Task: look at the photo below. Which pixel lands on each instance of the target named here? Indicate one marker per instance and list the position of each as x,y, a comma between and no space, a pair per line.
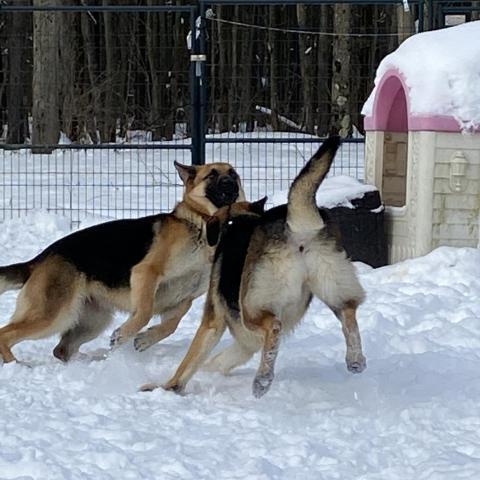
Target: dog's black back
107,252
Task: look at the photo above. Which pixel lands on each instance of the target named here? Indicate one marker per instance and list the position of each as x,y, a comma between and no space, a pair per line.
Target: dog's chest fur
189,278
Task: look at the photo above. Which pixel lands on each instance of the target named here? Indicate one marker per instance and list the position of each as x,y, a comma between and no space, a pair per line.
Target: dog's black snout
224,191
228,183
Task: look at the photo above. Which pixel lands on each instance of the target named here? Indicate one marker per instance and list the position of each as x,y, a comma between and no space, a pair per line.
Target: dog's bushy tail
302,214
14,276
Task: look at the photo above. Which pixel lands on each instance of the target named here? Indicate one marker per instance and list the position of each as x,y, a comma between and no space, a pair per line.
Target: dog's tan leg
271,328
6,354
170,321
144,282
47,304
354,358
208,334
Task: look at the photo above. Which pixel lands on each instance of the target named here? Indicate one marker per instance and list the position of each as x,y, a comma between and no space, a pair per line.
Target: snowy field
412,415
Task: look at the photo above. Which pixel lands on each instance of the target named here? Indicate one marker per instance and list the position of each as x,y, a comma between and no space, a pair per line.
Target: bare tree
306,54
67,52
323,75
341,102
18,27
405,23
46,125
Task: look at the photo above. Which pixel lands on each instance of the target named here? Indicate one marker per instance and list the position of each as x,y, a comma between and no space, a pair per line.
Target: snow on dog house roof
431,82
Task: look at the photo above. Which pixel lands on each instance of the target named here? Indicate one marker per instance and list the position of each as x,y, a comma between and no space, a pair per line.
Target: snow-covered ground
413,414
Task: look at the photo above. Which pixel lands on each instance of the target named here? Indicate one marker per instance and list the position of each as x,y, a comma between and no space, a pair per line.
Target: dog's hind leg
354,358
170,321
270,326
47,304
336,284
228,359
92,321
208,334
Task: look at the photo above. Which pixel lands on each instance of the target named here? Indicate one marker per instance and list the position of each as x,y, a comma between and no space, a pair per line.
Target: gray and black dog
267,267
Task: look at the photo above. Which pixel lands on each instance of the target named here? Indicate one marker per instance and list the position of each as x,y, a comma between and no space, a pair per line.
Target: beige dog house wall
427,170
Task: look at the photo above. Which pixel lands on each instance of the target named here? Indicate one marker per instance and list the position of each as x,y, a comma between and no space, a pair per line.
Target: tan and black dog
151,265
266,269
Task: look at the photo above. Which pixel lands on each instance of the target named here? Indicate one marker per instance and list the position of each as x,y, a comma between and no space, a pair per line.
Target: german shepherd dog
266,269
152,265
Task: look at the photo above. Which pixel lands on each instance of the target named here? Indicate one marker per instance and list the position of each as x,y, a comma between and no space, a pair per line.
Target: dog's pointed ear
258,207
213,230
186,172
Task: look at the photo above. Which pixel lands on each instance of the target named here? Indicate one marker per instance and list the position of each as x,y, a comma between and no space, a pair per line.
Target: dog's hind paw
142,341
261,385
357,366
116,338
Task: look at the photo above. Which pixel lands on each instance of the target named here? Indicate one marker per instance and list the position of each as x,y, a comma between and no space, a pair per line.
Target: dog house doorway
394,113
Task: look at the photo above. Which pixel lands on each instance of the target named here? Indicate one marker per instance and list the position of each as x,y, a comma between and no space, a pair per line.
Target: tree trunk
233,80
223,79
46,125
66,67
476,13
341,102
306,53
273,47
324,60
87,130
246,109
151,38
18,28
405,23
108,122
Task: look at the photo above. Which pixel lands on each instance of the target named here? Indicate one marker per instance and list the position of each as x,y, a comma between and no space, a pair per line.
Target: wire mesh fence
120,84
82,182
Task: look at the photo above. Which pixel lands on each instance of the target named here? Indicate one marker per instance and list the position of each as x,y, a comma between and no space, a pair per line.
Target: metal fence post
421,13
197,85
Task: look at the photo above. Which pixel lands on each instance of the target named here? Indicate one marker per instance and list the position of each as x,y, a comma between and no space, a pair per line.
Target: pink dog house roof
391,110
431,82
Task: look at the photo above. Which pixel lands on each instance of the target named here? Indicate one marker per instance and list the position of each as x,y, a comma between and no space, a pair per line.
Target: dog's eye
213,174
232,173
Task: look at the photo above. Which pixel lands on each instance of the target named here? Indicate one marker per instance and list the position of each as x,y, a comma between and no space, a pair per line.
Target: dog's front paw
175,387
142,341
261,384
149,387
357,364
116,338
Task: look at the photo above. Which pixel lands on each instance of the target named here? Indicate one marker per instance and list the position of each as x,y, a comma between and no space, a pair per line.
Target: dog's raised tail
302,213
12,277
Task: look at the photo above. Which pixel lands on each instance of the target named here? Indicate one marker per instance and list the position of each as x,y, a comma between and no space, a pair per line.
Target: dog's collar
195,217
